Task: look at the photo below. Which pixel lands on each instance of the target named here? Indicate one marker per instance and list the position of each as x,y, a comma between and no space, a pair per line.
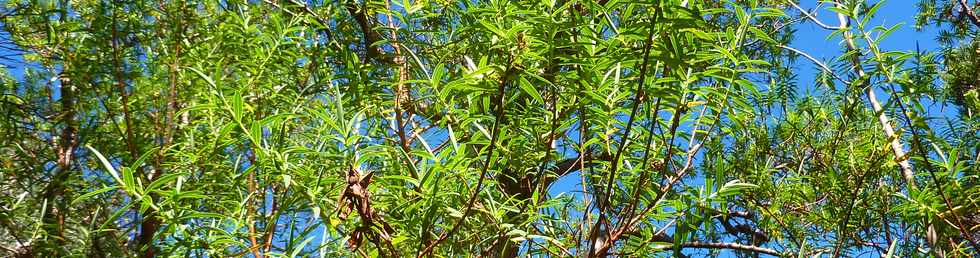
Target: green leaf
299,248
734,187
204,76
530,90
88,195
454,212
108,166
891,250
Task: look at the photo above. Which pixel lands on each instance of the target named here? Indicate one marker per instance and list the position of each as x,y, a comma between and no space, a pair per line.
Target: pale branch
816,62
897,148
813,18
662,237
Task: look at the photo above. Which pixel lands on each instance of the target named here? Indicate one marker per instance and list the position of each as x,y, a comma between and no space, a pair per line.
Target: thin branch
969,13
324,22
883,119
637,101
274,4
816,62
499,116
732,246
851,203
813,18
402,97
693,149
917,142
896,146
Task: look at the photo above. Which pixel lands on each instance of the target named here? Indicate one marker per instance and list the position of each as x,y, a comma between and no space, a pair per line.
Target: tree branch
813,18
324,22
816,62
499,116
370,36
601,248
732,246
869,91
969,13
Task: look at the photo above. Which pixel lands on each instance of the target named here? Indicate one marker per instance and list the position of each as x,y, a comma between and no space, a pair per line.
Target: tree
469,128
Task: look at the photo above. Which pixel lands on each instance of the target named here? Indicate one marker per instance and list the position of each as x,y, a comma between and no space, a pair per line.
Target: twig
499,116
816,62
969,13
307,10
883,119
401,94
813,18
637,101
733,246
932,173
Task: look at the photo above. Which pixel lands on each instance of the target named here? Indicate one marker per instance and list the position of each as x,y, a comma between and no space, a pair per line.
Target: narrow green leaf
530,90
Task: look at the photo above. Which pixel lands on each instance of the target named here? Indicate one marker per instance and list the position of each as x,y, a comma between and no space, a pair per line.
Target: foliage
287,128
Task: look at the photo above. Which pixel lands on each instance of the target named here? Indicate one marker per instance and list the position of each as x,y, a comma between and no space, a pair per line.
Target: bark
897,148
53,195
359,13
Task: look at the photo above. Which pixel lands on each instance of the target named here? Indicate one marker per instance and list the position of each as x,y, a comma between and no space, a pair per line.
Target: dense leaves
557,128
